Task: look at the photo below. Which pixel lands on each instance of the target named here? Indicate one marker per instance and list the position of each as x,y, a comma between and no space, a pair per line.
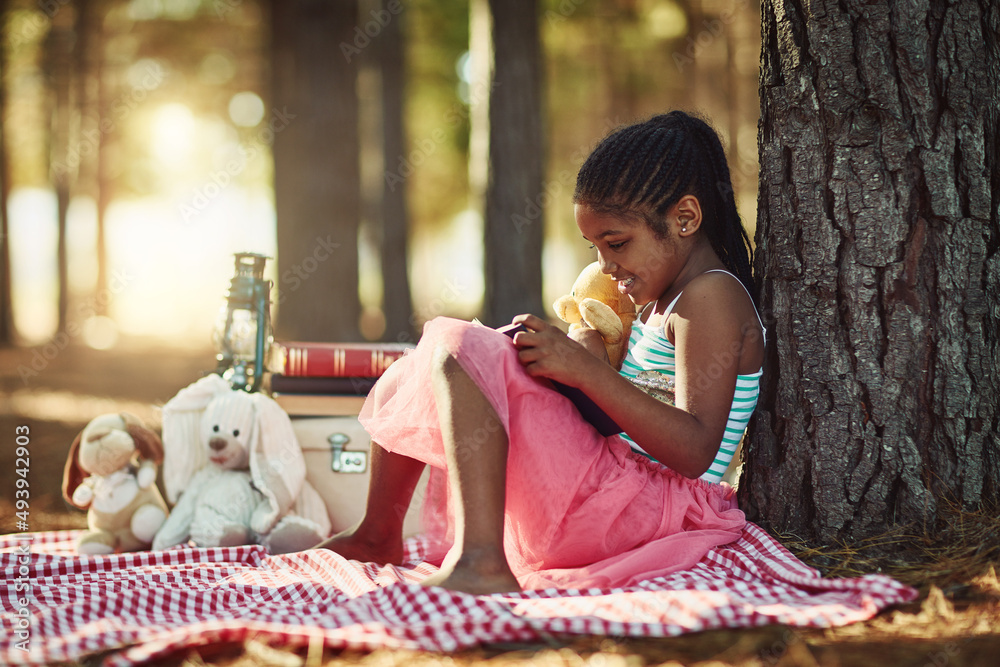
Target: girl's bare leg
475,445
378,538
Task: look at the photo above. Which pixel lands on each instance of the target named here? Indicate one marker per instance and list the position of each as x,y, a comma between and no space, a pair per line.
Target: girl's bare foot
355,544
477,574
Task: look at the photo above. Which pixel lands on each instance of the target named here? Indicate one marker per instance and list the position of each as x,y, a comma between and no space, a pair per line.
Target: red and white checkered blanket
60,607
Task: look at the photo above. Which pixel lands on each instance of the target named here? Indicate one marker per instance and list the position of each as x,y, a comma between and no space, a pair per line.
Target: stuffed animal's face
226,429
592,283
105,445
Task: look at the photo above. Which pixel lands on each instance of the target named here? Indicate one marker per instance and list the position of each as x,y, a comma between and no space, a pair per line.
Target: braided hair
640,171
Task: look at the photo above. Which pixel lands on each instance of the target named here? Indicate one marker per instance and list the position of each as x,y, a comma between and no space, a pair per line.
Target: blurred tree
93,64
58,66
317,187
506,45
396,302
8,332
91,108
879,255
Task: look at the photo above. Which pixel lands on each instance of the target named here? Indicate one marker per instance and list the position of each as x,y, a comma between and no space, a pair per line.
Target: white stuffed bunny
111,472
233,460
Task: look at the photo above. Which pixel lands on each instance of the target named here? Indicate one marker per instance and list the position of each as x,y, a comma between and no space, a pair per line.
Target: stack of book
328,379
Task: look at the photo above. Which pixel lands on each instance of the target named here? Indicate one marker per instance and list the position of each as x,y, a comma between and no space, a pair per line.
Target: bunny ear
276,462
73,475
148,444
183,452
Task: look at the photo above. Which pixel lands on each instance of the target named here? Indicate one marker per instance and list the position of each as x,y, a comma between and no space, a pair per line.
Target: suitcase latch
345,461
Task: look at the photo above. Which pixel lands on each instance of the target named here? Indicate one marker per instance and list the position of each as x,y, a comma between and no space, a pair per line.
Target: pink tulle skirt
582,510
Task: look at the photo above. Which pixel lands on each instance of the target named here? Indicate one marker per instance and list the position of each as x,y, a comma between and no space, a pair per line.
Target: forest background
140,139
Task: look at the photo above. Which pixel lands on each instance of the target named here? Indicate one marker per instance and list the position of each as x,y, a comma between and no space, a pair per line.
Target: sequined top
650,365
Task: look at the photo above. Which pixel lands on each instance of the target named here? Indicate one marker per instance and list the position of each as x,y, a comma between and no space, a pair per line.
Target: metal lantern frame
249,291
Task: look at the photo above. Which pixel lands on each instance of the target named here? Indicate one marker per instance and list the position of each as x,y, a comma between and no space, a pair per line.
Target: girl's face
630,252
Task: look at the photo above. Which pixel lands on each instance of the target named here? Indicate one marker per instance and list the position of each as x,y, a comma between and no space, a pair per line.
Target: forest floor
954,622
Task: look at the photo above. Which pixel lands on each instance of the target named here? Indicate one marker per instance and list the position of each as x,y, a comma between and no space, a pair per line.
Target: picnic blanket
57,606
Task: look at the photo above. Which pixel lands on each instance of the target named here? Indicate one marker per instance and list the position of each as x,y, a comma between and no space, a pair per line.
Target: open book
599,419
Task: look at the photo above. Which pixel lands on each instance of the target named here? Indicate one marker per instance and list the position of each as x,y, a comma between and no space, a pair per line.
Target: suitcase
336,450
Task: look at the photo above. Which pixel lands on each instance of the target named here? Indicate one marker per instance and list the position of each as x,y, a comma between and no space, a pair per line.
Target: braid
641,170
664,144
644,166
730,240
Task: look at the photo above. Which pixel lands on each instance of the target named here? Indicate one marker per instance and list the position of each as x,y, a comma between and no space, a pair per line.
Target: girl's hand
591,340
545,351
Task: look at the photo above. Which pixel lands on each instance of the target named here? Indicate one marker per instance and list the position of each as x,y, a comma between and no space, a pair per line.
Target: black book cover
352,386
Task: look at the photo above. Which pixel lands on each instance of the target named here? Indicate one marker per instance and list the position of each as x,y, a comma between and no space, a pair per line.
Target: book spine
332,361
357,386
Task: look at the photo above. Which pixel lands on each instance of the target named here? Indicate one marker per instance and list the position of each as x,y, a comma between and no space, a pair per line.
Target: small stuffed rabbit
111,472
235,470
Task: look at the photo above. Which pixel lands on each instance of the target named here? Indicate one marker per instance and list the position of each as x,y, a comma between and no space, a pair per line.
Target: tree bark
878,238
317,181
515,199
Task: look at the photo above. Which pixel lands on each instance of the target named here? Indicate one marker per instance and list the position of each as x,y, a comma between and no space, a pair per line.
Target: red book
305,359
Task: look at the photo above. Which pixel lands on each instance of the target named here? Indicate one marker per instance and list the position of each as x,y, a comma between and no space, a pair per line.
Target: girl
535,496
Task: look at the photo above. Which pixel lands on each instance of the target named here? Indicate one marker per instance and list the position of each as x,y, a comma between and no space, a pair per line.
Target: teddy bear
234,469
111,472
595,302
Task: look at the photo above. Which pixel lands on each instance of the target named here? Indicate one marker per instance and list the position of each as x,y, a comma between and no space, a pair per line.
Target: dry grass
967,548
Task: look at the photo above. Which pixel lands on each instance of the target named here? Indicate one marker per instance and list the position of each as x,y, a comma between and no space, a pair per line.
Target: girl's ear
686,215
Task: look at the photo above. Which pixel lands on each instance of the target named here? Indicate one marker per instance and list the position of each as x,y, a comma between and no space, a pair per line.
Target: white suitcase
336,450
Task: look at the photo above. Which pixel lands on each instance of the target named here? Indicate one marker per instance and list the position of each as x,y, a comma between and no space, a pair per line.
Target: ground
55,390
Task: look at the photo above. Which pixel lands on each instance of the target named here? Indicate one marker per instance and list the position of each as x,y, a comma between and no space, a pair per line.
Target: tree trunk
317,179
8,332
91,105
103,183
396,302
62,170
515,199
878,238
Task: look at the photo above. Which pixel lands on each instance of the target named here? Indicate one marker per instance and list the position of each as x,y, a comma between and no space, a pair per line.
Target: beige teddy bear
111,472
595,302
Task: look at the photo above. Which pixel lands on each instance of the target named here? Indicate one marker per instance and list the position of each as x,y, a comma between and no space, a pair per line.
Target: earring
684,229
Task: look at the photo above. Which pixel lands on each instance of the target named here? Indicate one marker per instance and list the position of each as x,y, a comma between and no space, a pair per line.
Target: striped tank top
649,364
